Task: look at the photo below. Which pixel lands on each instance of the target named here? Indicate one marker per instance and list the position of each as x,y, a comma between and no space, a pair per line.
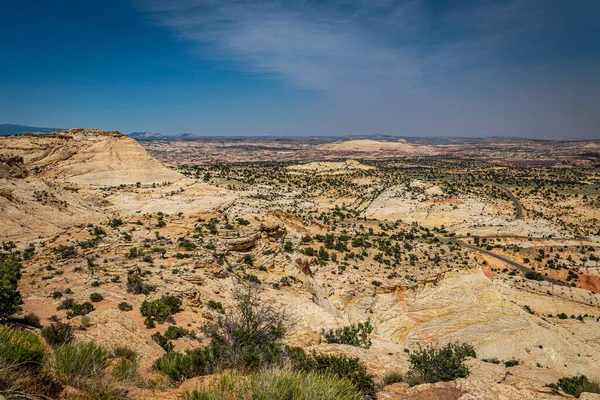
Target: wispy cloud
372,52
311,46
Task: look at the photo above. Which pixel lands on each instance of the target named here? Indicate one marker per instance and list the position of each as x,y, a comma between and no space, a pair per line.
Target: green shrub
336,365
124,306
10,273
58,334
20,348
354,335
536,276
66,304
79,360
178,366
215,305
115,222
446,364
32,319
250,336
576,385
57,295
511,363
63,251
96,297
175,332
162,309
163,342
276,384
80,309
135,285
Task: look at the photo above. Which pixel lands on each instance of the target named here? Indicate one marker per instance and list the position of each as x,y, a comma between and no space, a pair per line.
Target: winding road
506,260
516,202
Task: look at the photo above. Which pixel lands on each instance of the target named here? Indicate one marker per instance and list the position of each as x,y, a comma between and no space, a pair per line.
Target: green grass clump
126,370
276,384
125,352
340,366
80,360
21,348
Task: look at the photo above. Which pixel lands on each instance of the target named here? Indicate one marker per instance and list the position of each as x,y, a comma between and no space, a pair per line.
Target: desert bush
162,342
576,385
446,364
275,384
66,304
115,222
215,305
20,348
80,309
124,306
392,377
349,368
249,338
178,366
10,273
63,251
96,297
135,285
354,335
511,363
175,332
161,309
76,361
32,319
251,335
58,334
536,276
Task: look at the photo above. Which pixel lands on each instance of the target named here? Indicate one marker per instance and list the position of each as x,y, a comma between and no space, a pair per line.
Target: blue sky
237,67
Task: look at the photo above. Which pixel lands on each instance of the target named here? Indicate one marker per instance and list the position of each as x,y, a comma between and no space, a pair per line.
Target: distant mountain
11,129
163,136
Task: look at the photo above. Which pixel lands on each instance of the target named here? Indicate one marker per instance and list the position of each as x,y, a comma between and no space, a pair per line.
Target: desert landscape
366,261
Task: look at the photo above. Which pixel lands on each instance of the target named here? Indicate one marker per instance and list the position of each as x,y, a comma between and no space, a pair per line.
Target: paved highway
516,202
508,261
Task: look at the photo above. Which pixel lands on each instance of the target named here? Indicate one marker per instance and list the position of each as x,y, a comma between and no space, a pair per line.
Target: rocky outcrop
91,157
466,307
12,167
112,328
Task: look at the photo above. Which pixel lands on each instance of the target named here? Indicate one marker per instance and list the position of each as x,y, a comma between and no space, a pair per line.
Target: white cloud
391,61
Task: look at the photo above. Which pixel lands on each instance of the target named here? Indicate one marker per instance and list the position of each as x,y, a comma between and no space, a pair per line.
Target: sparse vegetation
576,385
58,333
354,335
432,365
276,384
